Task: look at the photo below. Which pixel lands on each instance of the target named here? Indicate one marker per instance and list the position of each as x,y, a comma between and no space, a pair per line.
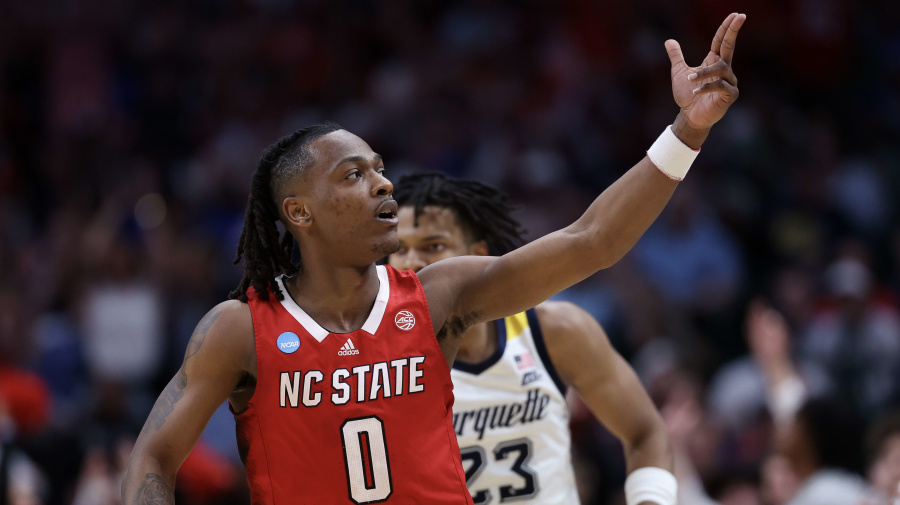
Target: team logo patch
288,342
405,320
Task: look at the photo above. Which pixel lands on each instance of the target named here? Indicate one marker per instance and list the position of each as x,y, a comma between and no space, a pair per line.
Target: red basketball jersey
361,417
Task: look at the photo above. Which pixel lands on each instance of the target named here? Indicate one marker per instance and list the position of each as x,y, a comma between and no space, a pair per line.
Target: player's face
438,236
344,201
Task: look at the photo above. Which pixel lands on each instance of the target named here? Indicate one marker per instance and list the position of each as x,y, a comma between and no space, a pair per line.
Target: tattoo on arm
200,332
174,391
456,326
154,491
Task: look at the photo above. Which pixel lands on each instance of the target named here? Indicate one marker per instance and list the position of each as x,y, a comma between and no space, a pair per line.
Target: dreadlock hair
266,252
483,211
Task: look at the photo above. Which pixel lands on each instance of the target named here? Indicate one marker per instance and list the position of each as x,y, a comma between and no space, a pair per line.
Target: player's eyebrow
351,159
436,236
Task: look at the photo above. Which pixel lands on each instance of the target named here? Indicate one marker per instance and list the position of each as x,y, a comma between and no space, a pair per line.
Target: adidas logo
348,349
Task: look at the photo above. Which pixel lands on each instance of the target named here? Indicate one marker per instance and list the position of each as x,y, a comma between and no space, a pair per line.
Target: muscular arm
482,288
215,361
465,290
585,360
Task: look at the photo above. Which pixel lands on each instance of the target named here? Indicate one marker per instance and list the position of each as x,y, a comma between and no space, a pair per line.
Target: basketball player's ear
479,248
296,212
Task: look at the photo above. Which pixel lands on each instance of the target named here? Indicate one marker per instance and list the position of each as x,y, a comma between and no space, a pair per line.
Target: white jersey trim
313,328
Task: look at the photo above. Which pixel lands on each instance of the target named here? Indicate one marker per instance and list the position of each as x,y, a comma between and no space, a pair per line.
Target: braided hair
484,212
266,252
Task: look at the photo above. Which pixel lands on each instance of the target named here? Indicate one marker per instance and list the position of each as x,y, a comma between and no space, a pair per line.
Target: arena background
129,130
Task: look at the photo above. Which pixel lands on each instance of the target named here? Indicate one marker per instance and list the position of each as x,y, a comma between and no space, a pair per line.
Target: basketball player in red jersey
338,370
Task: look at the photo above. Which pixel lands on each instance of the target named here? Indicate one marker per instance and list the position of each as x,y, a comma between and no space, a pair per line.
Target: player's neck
478,344
338,298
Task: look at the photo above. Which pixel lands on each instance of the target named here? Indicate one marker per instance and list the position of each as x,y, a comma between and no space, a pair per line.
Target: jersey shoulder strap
516,326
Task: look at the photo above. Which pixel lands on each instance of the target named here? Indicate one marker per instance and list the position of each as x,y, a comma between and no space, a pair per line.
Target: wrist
653,485
691,135
671,155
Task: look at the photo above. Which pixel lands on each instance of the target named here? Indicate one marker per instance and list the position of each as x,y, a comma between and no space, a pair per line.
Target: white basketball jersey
512,422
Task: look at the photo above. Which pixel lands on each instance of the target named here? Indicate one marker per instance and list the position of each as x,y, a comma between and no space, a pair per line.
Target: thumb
675,56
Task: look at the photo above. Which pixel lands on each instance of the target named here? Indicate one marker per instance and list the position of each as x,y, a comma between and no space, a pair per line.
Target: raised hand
704,93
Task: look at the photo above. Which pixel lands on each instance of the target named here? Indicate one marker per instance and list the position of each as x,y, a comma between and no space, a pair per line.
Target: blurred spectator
736,488
206,477
822,447
25,400
21,481
779,482
100,480
883,458
123,320
683,415
689,256
766,380
856,339
859,194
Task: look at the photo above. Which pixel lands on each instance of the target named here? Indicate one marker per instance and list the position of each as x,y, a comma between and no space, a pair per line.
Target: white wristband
651,484
671,156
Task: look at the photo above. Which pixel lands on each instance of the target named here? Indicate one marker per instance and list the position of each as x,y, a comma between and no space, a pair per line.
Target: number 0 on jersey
365,454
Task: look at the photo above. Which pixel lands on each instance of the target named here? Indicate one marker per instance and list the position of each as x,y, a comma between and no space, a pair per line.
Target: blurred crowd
761,310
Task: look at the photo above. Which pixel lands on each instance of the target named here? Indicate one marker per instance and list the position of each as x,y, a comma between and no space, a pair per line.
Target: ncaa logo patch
405,320
288,342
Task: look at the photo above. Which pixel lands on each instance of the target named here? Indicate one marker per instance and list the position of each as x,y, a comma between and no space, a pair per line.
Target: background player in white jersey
510,411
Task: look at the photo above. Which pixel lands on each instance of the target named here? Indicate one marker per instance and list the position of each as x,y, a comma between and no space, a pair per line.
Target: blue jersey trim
477,368
538,336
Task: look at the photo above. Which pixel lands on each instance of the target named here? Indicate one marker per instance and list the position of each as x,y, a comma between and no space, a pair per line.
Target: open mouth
387,212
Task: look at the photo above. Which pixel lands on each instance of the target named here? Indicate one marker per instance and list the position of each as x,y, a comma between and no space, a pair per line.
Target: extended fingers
720,69
731,37
720,33
722,87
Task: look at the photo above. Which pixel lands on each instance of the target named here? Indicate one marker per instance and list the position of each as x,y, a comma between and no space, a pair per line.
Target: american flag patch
524,360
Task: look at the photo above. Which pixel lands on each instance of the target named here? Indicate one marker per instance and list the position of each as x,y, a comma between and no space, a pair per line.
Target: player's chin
386,243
